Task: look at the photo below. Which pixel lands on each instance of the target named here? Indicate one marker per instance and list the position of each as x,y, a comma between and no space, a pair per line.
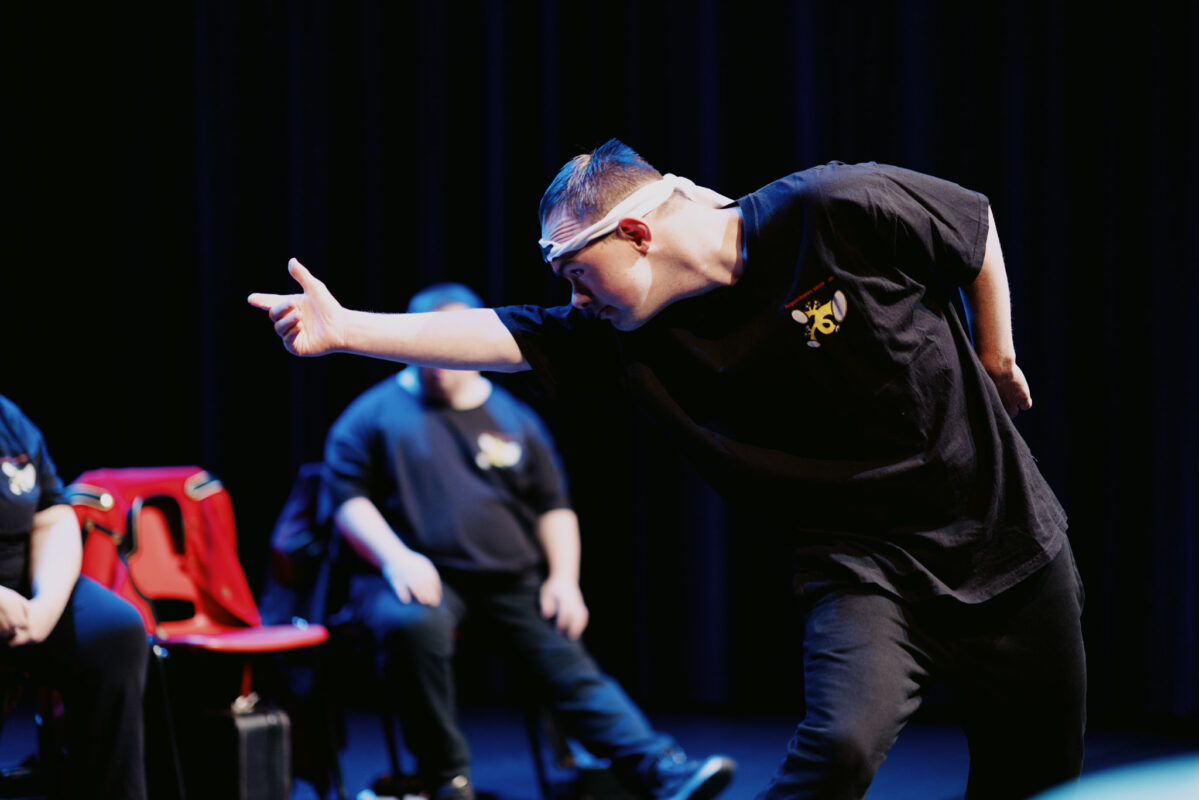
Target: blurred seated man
87,642
452,493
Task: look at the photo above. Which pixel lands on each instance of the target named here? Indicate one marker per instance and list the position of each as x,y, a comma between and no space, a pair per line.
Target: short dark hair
434,297
589,185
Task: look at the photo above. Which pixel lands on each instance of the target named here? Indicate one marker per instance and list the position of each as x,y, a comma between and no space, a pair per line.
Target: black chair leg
157,654
393,745
537,745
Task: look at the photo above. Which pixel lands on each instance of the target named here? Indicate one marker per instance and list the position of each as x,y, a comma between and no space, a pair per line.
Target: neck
711,249
469,394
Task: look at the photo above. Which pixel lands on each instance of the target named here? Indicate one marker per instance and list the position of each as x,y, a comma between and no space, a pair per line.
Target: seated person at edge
450,490
804,348
83,639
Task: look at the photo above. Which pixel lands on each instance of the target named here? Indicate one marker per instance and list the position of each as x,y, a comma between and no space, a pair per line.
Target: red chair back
164,539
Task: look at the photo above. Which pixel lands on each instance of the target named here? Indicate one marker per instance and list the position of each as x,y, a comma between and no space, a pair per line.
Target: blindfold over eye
567,237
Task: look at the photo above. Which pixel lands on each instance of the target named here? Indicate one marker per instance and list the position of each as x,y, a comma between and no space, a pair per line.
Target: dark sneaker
674,777
458,788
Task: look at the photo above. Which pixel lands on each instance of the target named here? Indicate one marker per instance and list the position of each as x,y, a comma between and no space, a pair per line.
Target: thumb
402,591
308,282
548,607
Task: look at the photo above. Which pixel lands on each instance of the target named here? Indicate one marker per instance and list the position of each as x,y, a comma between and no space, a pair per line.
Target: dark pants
97,658
416,645
1015,665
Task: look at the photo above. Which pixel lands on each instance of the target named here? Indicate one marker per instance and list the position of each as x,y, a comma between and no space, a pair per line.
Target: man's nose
579,298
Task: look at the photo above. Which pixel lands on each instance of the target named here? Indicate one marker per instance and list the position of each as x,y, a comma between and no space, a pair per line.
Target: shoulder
502,404
14,420
386,399
9,410
787,199
545,320
839,181
503,401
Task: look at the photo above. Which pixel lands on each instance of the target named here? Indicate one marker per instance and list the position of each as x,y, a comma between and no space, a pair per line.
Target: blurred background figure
451,493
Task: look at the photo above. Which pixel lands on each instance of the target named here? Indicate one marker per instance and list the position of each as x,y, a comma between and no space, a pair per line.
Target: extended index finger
264,300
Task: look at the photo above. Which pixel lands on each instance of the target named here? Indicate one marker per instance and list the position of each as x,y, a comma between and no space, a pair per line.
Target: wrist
562,580
998,361
42,618
344,330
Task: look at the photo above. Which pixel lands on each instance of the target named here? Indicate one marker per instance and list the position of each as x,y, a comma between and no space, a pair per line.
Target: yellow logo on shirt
20,480
495,451
820,318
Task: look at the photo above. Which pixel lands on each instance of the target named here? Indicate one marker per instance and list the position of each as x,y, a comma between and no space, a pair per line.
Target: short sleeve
929,228
572,355
348,463
548,488
52,491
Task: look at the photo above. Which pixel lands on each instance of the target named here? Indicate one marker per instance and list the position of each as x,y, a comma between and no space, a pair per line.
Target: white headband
567,237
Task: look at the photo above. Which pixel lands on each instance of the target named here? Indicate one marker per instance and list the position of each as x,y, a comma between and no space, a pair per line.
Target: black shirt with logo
463,487
29,483
833,389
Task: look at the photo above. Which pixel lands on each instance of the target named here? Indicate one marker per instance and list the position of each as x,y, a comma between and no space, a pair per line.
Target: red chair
164,539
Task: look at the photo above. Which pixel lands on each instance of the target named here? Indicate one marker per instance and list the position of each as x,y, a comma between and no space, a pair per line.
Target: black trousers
97,657
1015,665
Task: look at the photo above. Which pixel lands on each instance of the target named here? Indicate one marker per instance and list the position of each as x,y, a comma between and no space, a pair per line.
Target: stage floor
929,761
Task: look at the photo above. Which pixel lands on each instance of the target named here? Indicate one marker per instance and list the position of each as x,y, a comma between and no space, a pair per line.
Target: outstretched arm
991,307
313,323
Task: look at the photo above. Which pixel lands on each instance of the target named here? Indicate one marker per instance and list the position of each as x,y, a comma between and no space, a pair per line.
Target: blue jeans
1015,665
416,645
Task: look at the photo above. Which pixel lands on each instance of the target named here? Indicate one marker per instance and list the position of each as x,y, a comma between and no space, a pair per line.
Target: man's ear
636,231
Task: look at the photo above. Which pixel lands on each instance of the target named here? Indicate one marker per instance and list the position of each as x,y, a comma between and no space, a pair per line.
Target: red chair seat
264,639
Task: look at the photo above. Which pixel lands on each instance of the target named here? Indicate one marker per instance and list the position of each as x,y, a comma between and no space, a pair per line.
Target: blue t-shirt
833,389
29,483
463,487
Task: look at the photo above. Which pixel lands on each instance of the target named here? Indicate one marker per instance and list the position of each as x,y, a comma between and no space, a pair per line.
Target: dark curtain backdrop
165,159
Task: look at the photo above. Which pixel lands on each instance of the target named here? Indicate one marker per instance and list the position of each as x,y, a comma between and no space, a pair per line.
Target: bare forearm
991,307
458,339
558,533
313,323
55,556
412,576
366,530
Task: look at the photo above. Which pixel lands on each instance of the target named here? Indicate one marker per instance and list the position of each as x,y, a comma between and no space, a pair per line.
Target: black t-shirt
833,389
465,488
29,483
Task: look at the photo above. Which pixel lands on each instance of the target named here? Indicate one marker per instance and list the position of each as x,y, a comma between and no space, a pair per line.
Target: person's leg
97,656
592,705
863,678
415,647
1022,687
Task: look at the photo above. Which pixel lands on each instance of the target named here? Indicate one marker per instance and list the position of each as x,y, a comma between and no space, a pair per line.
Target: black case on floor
238,756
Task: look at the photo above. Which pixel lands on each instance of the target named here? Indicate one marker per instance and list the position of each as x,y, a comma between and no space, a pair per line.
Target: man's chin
623,323
620,320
